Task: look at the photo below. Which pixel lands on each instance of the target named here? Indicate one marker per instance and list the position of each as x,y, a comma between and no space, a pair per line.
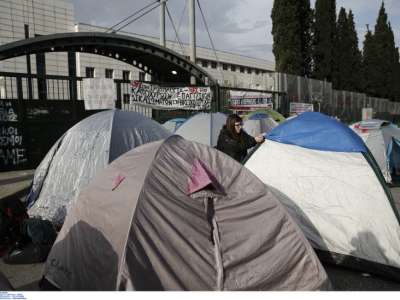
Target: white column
162,23
192,31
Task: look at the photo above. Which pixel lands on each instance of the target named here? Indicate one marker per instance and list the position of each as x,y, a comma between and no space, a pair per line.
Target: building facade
22,18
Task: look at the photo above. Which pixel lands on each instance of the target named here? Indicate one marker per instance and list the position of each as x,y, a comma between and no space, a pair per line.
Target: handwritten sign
253,99
188,98
298,107
99,93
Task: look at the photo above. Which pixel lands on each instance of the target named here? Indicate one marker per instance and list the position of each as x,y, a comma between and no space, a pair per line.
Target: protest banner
154,96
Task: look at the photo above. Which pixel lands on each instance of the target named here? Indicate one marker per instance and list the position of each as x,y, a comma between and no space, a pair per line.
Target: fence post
73,92
215,102
299,89
119,95
20,100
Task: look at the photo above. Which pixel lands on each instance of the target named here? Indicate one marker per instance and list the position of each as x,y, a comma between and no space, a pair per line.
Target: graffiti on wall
13,152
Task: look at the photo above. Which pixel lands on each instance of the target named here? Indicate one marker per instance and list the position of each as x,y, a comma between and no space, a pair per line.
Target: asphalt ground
26,277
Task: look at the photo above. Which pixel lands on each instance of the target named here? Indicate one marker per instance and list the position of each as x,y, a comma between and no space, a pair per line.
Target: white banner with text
154,96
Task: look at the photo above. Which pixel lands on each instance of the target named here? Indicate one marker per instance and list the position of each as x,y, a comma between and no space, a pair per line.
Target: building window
233,68
204,64
248,71
126,75
213,64
89,72
224,67
141,76
241,69
109,73
257,72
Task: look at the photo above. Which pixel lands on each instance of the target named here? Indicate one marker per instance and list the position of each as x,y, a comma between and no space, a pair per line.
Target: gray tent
80,153
179,215
203,128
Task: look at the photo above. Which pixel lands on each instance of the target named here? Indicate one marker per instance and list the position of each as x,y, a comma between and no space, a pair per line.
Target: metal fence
345,105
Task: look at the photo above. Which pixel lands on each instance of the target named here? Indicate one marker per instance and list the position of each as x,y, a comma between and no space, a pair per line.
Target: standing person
234,141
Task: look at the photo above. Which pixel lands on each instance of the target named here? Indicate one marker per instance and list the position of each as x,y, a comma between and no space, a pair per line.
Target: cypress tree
340,48
323,39
396,77
306,14
369,67
380,59
393,67
354,81
385,52
290,31
348,60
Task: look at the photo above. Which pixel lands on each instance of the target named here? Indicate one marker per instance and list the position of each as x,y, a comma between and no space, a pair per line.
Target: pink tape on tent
359,127
201,177
117,181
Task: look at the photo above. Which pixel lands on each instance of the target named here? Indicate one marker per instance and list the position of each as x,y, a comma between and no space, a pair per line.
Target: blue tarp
259,116
317,131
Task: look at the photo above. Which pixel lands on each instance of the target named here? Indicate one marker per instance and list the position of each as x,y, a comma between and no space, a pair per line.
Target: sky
238,26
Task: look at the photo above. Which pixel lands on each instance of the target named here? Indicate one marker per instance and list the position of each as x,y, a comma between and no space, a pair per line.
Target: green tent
274,114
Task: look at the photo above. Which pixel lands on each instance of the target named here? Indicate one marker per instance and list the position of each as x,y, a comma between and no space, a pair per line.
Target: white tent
333,187
203,128
383,140
173,124
80,153
259,123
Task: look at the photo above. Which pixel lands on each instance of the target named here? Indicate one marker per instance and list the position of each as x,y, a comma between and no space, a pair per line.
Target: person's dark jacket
235,147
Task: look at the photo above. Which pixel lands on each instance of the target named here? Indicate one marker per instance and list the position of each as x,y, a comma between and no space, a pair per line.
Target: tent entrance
394,160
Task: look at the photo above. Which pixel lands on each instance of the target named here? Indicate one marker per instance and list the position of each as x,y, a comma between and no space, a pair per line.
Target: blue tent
314,130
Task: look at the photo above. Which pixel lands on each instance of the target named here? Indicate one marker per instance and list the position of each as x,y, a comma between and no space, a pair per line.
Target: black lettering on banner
195,98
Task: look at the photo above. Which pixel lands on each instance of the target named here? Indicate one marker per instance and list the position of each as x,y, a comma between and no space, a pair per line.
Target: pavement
15,183
26,277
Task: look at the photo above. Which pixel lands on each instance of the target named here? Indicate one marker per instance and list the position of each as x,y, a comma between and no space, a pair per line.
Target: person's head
234,124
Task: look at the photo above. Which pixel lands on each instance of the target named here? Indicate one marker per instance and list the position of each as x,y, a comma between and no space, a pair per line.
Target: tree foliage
324,28
291,22
381,60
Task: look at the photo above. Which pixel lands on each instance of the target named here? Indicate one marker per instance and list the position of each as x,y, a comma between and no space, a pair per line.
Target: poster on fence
154,96
253,99
297,108
367,113
99,93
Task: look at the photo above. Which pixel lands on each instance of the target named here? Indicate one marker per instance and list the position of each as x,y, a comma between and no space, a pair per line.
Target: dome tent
332,186
80,153
203,128
173,124
272,113
383,140
193,229
259,123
